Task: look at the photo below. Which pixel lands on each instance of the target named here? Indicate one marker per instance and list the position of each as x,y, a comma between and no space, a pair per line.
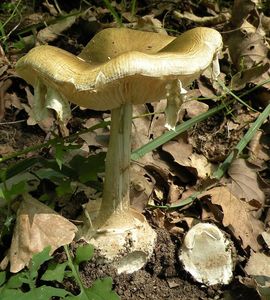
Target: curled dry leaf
182,154
202,21
50,33
237,215
37,226
245,182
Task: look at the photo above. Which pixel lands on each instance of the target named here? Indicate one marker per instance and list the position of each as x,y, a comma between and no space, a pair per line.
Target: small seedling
24,285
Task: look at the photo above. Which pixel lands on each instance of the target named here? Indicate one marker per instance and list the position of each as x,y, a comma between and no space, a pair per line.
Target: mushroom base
125,240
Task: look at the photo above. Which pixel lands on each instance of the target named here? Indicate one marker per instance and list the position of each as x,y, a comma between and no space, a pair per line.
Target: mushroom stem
117,167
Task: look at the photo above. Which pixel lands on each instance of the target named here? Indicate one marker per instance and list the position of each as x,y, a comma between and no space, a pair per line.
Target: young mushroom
117,69
208,254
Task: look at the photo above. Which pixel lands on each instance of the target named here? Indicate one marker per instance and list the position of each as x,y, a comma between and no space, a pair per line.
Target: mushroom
208,255
118,68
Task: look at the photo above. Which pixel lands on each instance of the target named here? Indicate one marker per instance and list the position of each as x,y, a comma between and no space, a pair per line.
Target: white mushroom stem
121,234
116,186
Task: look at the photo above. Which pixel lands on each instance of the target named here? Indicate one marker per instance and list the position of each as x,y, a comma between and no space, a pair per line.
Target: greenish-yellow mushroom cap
121,65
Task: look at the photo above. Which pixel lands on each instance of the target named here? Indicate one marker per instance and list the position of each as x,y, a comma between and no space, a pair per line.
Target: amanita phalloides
117,69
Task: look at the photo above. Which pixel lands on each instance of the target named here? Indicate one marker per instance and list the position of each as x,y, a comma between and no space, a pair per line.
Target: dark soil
162,278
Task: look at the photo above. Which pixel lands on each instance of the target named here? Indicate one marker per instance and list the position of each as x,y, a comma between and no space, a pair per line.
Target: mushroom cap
121,65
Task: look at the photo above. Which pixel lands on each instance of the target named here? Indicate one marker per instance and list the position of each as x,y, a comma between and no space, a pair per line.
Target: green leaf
64,188
102,290
17,189
11,294
84,253
40,293
2,277
88,167
45,173
19,167
59,154
16,281
55,272
2,193
37,260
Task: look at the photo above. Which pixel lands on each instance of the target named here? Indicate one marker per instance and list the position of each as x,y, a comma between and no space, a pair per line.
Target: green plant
13,10
24,285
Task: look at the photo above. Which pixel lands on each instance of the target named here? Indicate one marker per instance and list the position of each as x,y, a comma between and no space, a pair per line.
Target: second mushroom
117,69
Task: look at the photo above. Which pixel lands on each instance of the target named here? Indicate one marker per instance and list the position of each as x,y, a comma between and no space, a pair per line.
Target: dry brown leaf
237,215
50,33
37,226
254,74
11,99
157,127
149,23
4,86
141,188
258,268
182,154
140,128
248,52
202,21
194,108
245,182
258,265
6,149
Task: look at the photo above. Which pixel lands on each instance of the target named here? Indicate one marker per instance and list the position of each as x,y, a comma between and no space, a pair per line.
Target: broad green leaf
53,175
102,290
55,272
19,167
2,277
64,188
16,281
88,168
11,294
61,149
17,189
40,293
84,253
37,260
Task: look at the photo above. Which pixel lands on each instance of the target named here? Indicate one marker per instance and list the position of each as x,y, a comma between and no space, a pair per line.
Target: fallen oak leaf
37,226
196,163
245,182
237,215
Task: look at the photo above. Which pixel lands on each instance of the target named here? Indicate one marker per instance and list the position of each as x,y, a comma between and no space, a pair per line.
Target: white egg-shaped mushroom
208,255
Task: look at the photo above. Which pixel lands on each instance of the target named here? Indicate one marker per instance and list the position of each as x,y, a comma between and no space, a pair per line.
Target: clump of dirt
212,139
